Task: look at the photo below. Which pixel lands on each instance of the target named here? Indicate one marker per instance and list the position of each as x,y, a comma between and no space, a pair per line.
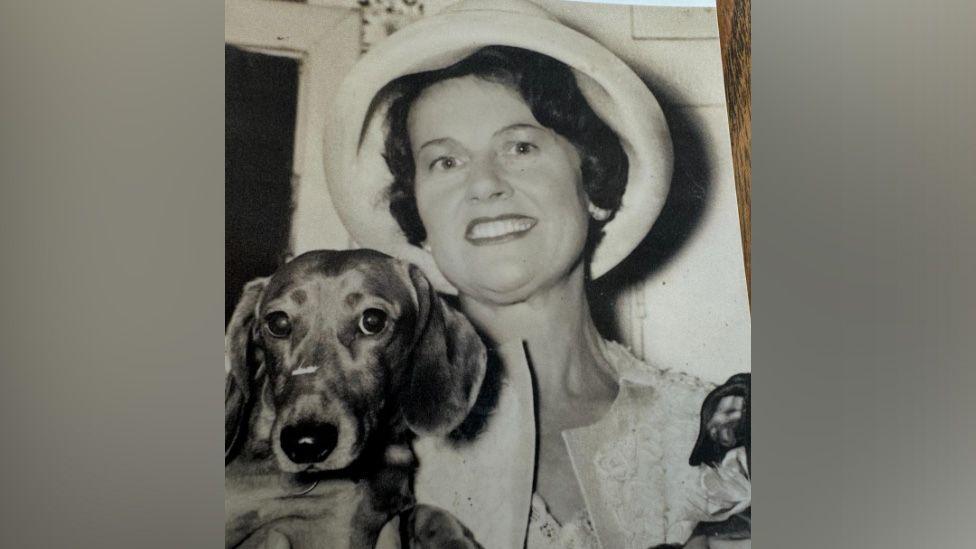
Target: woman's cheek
437,213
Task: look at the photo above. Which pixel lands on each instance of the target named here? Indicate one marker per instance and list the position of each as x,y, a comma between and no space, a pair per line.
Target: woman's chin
501,283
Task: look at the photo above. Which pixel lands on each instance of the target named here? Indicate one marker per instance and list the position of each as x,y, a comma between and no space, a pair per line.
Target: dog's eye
372,322
278,324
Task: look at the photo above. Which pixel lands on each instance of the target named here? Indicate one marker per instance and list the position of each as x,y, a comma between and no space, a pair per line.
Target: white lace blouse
632,465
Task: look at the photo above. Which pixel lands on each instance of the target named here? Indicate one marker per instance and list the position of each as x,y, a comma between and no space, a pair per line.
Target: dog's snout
309,441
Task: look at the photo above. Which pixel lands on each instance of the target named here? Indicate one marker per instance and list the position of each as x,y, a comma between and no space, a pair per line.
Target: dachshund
334,364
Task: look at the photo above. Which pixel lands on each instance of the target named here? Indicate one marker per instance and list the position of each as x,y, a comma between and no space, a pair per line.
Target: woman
514,159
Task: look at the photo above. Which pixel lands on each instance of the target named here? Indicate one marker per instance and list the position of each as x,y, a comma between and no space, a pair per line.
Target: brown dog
335,363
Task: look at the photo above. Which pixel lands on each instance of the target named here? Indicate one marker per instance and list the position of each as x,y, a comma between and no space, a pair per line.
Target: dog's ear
242,366
446,364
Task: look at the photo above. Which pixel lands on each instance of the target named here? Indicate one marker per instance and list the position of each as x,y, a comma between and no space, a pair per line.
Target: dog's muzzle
309,441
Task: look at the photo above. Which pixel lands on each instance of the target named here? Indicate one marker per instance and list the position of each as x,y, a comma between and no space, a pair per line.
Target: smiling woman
524,160
502,124
509,186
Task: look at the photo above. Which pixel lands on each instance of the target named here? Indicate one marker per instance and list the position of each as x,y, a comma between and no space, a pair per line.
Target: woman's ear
445,367
242,365
598,213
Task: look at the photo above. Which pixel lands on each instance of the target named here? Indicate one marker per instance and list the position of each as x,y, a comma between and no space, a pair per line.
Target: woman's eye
372,321
522,148
278,324
445,163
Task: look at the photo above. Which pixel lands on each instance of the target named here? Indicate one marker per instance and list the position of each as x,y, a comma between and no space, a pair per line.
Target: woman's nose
486,183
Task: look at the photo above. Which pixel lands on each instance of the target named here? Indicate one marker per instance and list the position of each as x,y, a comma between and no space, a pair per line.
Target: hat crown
519,7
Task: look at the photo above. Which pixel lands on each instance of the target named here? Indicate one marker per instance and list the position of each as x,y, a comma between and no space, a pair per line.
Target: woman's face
500,195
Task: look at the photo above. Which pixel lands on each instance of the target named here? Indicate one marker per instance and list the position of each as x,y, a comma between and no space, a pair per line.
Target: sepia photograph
486,277
489,280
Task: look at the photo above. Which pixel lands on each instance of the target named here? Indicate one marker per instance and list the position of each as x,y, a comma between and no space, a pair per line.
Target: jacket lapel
487,483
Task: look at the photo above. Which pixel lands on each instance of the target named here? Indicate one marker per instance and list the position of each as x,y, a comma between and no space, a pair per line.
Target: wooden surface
735,32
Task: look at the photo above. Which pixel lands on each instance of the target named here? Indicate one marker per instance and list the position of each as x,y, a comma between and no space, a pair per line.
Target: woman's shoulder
668,399
634,463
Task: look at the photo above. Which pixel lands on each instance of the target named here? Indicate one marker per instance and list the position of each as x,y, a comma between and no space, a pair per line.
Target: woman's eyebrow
439,141
518,126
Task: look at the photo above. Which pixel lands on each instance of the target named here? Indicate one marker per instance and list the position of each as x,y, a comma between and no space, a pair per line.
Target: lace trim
546,532
627,365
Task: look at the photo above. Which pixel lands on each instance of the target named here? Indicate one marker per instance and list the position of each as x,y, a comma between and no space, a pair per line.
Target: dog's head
336,347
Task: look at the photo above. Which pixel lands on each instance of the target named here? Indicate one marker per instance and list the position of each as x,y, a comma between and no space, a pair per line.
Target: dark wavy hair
549,89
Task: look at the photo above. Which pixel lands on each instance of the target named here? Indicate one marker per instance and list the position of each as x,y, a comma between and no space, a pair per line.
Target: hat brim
359,179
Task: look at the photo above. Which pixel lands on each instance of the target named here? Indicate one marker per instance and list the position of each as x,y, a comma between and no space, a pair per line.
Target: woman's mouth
494,230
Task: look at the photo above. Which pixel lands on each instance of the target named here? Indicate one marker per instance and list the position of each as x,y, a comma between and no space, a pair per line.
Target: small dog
335,363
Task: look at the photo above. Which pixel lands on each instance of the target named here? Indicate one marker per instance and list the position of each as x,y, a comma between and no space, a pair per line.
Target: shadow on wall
680,217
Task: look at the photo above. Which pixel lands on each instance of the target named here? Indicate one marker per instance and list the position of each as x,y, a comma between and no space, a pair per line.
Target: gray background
863,306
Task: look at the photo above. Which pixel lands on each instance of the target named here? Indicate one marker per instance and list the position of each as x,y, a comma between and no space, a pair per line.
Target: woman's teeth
495,229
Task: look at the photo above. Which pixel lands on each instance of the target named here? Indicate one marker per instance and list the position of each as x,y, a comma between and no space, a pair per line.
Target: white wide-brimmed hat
359,179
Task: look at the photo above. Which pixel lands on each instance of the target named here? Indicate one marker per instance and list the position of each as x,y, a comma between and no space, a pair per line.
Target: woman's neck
562,341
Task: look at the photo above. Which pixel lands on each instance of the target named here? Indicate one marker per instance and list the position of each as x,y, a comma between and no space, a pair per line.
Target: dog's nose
309,441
